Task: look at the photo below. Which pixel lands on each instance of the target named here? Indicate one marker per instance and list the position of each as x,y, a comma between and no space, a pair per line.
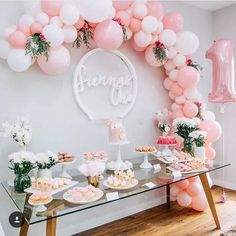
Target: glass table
59,207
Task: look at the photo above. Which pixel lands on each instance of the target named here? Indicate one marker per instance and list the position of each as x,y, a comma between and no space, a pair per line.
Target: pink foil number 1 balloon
221,54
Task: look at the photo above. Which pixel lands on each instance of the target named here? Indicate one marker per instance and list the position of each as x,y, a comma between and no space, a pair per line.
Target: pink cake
117,133
166,140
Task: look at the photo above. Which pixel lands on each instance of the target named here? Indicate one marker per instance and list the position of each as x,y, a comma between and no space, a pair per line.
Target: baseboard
224,184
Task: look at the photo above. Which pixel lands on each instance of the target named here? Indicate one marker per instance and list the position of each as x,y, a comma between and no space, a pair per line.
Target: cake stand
119,164
64,173
40,207
166,151
146,164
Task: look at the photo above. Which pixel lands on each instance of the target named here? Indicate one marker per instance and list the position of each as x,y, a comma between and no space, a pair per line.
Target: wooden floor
176,221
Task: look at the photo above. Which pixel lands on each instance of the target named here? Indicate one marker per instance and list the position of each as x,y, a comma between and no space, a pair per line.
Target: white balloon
175,106
167,84
140,1
179,60
32,7
5,48
128,33
159,27
180,100
9,30
173,75
154,38
42,18
168,37
93,10
18,61
56,20
171,52
70,33
208,115
187,43
26,19
142,39
149,24
112,13
53,34
139,10
169,65
191,93
69,14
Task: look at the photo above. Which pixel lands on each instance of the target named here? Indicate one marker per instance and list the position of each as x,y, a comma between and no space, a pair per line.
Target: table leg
24,229
168,196
51,227
207,190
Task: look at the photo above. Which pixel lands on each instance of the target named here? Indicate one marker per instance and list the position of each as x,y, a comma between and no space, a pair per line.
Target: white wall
58,124
225,27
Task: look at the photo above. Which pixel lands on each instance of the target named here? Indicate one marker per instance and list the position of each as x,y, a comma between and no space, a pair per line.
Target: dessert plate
40,206
187,172
105,183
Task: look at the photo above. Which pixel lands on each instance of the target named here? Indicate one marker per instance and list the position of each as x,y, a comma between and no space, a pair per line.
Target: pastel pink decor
184,199
199,203
79,24
17,39
36,28
121,5
108,35
155,8
188,77
150,57
24,29
51,7
173,21
137,48
58,61
124,17
221,54
210,153
194,188
190,109
135,25
183,184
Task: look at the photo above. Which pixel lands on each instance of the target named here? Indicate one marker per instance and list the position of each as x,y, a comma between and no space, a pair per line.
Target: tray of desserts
83,195
188,167
146,149
96,156
39,200
65,158
121,180
51,186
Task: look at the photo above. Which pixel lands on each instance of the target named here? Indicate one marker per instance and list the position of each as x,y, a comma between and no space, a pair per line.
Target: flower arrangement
94,168
37,46
125,38
198,137
198,67
183,127
160,52
46,160
20,131
163,119
84,35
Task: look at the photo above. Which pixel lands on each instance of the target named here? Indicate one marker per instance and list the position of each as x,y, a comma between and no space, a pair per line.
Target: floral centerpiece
92,170
163,119
22,163
45,161
183,127
20,131
160,52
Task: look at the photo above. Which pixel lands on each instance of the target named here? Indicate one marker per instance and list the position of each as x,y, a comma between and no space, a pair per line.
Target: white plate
162,159
147,152
187,172
66,162
54,191
94,199
120,187
40,203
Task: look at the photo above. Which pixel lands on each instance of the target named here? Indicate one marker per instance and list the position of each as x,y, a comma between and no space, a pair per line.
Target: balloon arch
47,25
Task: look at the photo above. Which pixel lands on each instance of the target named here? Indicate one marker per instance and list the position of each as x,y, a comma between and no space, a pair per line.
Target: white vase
45,173
200,153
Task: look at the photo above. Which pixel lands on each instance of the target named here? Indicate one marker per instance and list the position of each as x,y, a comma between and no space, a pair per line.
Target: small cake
145,149
96,156
38,198
117,133
35,198
166,140
65,157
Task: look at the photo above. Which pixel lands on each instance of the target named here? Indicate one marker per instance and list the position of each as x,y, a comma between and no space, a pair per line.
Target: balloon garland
41,36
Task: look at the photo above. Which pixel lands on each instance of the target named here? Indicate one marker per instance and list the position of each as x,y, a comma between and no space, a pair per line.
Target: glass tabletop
60,207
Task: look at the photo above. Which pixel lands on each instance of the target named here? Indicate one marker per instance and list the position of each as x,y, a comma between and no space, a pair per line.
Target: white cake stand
146,164
166,151
64,173
119,164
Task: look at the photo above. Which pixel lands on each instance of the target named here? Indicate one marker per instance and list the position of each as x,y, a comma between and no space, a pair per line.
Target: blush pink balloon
51,7
167,83
79,24
184,199
36,28
124,17
194,188
188,77
135,25
108,35
155,8
17,39
210,153
176,114
121,5
221,54
25,29
176,89
92,24
136,47
180,142
212,128
190,109
193,179
183,184
174,190
173,21
199,202
150,57
58,61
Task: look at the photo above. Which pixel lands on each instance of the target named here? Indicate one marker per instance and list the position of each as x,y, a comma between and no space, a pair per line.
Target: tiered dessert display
39,200
121,180
146,150
117,136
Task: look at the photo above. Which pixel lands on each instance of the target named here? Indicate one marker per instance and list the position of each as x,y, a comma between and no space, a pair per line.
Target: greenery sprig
195,65
22,168
125,38
159,51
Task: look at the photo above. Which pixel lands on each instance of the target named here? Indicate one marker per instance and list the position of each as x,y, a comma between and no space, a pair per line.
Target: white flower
44,157
93,168
198,134
163,116
193,123
19,157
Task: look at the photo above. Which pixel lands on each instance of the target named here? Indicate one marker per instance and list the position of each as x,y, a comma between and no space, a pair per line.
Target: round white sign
105,84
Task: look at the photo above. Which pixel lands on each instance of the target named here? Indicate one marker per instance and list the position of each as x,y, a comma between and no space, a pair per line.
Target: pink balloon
51,7
194,189
210,153
121,5
36,28
176,89
173,21
193,179
188,77
167,83
183,184
184,199
17,39
136,47
190,109
142,39
199,202
135,25
24,29
180,142
212,128
124,17
174,190
221,54
93,25
58,61
150,57
79,24
108,35
155,8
